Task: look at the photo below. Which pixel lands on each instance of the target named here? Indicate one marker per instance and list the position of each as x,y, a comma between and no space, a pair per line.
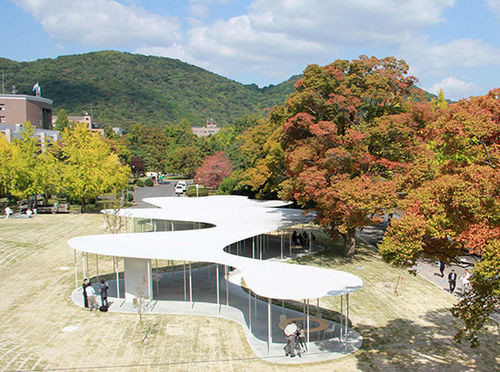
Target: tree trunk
349,242
83,204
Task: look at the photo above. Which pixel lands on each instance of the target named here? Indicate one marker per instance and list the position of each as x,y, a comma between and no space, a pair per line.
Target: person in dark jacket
104,293
452,279
85,298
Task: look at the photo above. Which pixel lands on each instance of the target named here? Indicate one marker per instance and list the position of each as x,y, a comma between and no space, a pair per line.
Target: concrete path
426,268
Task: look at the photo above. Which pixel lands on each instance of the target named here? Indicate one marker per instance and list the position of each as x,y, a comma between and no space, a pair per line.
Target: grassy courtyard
41,328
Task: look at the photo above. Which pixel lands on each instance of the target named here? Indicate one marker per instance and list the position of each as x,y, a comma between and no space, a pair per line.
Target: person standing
452,279
84,287
465,282
8,212
441,268
104,293
290,331
91,296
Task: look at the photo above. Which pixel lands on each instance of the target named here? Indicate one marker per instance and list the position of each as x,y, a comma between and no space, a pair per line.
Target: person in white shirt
290,331
465,282
91,297
8,212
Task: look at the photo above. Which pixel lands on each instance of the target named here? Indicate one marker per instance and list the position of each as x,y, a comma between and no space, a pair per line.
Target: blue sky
449,44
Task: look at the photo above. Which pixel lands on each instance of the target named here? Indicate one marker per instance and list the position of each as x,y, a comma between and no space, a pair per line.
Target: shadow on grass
403,344
333,255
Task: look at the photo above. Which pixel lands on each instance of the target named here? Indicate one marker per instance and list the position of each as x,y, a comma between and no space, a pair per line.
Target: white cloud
101,23
277,37
494,5
454,88
423,56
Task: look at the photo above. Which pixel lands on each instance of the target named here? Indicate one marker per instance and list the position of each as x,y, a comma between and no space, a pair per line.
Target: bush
140,183
131,188
191,191
148,182
130,197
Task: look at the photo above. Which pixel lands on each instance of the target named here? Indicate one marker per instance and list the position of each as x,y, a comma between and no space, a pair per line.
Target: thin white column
341,316
308,324
346,314
150,286
76,269
253,247
87,264
97,266
190,285
268,326
250,309
184,276
226,276
117,273
83,266
261,245
281,242
217,286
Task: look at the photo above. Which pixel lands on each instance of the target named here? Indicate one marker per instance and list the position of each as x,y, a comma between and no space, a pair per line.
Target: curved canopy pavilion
228,220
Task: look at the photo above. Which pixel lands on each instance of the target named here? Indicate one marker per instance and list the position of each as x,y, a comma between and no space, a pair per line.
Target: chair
331,330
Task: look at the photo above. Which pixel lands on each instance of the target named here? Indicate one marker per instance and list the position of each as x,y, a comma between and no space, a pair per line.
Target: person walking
452,279
84,292
441,268
465,282
290,331
91,296
104,293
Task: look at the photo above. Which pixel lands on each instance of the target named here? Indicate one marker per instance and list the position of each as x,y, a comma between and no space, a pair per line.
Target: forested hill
122,89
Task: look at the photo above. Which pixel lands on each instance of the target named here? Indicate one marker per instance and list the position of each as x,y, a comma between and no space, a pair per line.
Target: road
165,189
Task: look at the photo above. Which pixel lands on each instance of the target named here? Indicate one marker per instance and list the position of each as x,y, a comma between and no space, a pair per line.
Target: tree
455,209
91,168
24,163
137,165
213,170
62,121
326,138
6,157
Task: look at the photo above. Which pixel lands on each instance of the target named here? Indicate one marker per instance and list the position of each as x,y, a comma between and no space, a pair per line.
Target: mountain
122,89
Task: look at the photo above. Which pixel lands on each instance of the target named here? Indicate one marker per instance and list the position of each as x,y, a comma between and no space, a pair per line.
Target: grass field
408,332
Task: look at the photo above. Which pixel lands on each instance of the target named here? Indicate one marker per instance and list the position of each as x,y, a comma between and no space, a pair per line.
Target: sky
452,45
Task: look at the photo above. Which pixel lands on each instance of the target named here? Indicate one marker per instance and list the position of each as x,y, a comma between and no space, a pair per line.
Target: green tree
90,167
6,157
24,163
62,121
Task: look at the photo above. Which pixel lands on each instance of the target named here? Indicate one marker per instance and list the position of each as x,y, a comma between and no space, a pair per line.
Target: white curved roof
235,218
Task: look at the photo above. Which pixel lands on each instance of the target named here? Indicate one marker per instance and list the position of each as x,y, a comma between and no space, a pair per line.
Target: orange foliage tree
454,210
331,146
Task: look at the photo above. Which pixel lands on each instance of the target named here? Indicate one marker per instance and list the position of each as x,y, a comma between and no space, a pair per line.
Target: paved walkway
426,268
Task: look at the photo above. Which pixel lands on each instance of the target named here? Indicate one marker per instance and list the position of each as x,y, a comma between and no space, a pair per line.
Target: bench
56,208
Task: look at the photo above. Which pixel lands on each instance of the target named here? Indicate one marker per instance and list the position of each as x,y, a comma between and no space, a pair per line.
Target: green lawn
408,332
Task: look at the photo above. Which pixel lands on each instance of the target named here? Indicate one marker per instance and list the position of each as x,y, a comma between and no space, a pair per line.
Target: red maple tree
213,170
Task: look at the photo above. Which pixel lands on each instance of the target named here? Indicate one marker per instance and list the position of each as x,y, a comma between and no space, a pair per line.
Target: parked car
181,184
180,188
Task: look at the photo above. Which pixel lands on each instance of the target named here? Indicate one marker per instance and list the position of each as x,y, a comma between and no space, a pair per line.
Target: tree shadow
403,344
